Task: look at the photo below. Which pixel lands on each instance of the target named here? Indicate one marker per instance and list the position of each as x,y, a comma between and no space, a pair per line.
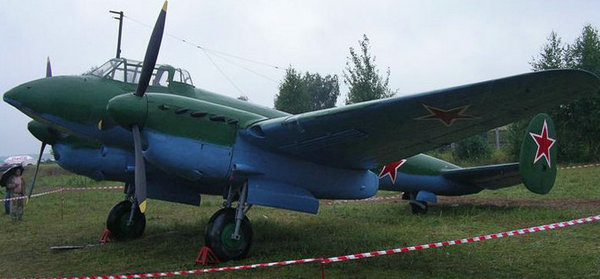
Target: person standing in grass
6,202
16,186
3,181
7,196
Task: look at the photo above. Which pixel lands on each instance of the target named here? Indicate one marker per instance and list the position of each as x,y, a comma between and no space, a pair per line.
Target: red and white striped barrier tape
93,188
64,189
333,202
355,256
581,166
465,240
33,196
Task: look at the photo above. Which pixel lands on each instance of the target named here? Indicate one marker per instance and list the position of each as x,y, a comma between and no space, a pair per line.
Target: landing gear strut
229,232
125,220
416,207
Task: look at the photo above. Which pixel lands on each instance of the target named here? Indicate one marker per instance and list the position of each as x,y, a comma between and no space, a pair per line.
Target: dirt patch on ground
457,201
553,203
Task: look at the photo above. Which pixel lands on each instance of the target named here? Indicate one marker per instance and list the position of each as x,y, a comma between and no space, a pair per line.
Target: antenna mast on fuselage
120,19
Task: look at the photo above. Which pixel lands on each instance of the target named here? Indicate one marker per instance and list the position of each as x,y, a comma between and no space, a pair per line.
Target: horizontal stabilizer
488,177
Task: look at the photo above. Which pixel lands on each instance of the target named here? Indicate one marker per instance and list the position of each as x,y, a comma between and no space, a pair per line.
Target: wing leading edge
371,134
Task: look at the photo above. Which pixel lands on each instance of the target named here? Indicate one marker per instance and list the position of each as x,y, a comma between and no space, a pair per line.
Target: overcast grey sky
427,44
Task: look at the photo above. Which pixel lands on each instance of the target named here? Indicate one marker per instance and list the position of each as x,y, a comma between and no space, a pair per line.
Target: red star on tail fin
544,143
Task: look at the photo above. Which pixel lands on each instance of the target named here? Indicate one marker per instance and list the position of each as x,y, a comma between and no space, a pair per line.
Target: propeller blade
140,170
48,68
152,52
37,168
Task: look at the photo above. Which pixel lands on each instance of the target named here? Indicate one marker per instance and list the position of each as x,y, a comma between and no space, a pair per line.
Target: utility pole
120,19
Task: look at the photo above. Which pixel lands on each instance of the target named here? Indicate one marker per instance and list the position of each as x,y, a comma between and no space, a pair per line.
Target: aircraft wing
371,134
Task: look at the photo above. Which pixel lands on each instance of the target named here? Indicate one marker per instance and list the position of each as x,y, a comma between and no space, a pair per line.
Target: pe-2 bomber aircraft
148,126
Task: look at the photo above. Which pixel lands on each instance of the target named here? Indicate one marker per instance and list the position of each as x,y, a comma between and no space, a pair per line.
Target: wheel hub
230,243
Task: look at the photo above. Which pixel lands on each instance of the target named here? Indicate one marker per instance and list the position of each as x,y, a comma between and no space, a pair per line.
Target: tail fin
537,161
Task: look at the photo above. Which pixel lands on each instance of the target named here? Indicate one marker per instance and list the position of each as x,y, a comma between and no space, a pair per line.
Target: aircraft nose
65,101
31,98
18,96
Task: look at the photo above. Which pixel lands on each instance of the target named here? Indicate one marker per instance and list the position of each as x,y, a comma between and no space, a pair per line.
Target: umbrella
10,171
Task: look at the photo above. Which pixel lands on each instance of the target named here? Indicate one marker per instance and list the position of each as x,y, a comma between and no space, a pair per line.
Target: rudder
537,160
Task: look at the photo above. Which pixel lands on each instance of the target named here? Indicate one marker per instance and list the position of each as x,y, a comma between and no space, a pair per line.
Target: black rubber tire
418,207
218,232
117,220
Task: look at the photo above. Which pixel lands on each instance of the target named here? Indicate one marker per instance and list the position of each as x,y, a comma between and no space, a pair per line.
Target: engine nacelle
188,158
100,163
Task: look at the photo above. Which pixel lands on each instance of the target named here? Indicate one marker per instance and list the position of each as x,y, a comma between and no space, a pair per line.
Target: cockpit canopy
129,71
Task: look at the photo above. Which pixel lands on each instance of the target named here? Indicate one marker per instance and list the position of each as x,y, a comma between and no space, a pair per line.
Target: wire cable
224,75
245,68
219,54
208,49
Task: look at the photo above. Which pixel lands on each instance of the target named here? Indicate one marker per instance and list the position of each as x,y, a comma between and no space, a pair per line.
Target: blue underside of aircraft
186,168
180,169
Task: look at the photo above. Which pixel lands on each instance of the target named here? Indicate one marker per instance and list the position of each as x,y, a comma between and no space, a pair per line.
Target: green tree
552,56
472,149
298,94
323,91
362,76
293,95
576,123
585,53
514,138
579,121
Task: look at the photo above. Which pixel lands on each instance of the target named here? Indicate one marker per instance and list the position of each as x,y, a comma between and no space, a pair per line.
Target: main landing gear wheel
219,230
416,207
118,221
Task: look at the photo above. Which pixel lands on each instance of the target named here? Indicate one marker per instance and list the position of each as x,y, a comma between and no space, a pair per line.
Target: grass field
174,235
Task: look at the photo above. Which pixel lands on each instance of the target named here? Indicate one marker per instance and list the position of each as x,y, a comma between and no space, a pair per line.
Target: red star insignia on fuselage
446,116
391,169
544,143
